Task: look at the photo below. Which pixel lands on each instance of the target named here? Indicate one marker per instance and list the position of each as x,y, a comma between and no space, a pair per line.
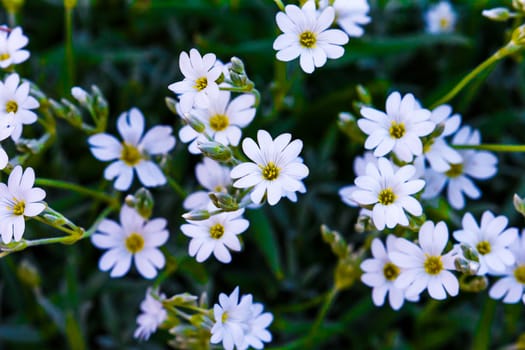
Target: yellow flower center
397,130
386,196
307,39
443,23
134,243
4,56
483,247
390,271
130,154
433,265
519,274
11,106
216,231
455,170
270,172
201,83
224,317
19,208
219,122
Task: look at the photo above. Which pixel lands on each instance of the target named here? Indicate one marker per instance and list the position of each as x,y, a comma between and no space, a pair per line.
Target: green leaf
19,333
264,236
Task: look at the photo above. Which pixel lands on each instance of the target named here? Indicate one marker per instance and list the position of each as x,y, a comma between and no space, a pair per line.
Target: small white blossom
389,192
18,200
11,45
399,129
350,15
424,266
224,118
306,35
133,154
240,324
276,168
200,76
79,94
511,286
214,177
475,164
216,235
491,240
440,18
152,316
380,273
133,239
15,101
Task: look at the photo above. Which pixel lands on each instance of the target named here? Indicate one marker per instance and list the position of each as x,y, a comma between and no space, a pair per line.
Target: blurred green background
130,50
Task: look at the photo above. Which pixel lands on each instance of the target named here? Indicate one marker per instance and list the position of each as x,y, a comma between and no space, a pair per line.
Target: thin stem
58,227
322,312
97,222
493,147
176,187
112,201
70,58
279,4
498,55
482,334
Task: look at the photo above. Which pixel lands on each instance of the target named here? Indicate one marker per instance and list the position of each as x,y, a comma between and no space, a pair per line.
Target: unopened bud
519,5
196,215
223,201
519,204
171,103
216,151
473,283
238,79
500,14
363,94
469,252
79,94
194,122
345,274
466,267
28,274
518,35
144,202
237,66
347,123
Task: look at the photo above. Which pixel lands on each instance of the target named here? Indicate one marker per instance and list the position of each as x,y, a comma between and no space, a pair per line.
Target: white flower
152,316
79,94
18,200
224,118
212,176
11,45
240,324
490,240
306,34
440,18
476,164
399,129
510,287
215,235
389,192
276,168
256,324
438,153
360,163
200,75
15,101
424,266
380,273
134,152
349,14
134,239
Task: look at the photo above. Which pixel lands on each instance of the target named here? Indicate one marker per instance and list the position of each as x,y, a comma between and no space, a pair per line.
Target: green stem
493,147
482,334
58,227
112,201
97,222
279,4
176,187
70,58
322,312
498,55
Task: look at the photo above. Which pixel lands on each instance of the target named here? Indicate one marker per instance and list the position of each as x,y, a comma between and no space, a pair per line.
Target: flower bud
194,122
500,14
473,283
223,201
142,201
237,66
519,204
196,215
518,35
216,151
80,95
469,252
519,5
28,274
363,94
